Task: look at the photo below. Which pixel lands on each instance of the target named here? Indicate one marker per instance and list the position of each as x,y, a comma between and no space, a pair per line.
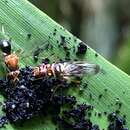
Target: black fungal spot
55,29
119,104
67,54
105,113
69,38
75,59
117,111
29,35
62,40
47,46
90,96
100,96
81,48
59,46
65,47
74,49
85,85
46,61
57,41
99,114
63,43
54,33
105,89
95,114
96,55
89,114
75,40
124,116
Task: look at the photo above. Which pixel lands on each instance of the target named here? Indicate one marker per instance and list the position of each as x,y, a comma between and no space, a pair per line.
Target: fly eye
5,46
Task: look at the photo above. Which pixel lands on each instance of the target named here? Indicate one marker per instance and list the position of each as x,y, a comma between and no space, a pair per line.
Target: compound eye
5,46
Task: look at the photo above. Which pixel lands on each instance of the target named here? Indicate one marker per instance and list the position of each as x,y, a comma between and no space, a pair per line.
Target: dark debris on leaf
116,122
30,97
81,48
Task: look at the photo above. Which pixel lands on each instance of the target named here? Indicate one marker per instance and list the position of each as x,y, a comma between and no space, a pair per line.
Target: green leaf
21,18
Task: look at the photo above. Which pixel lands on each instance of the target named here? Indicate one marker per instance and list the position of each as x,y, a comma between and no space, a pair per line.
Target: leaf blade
19,20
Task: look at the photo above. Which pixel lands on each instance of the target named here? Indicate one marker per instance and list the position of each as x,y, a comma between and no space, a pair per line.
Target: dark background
102,24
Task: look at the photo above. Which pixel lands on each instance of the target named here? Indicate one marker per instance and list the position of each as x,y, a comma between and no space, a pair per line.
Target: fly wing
80,69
